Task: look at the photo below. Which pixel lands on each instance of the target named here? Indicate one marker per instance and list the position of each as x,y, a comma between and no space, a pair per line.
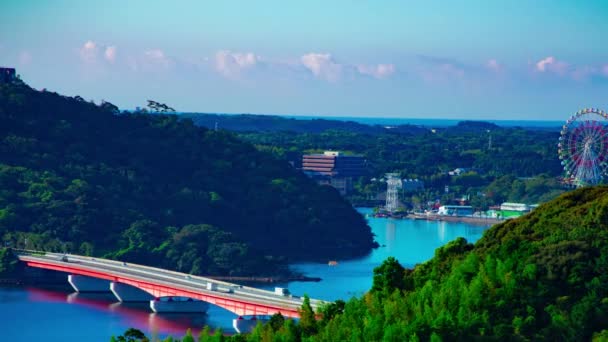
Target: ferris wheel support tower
393,184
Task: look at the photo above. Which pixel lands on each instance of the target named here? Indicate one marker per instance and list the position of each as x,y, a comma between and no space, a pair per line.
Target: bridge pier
127,293
88,284
176,304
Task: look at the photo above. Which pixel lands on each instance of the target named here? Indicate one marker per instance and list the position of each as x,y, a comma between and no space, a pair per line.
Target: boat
332,263
246,324
178,304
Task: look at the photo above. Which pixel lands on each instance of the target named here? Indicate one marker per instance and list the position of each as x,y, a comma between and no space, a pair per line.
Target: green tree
276,321
188,337
308,320
132,335
8,262
388,276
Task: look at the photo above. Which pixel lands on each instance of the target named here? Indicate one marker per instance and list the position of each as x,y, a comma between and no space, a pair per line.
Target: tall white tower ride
393,183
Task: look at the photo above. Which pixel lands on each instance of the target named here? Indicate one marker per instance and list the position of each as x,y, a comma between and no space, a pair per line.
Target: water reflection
136,315
441,227
63,315
390,234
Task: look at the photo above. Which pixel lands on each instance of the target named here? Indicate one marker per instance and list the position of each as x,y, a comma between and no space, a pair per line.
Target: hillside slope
155,189
541,277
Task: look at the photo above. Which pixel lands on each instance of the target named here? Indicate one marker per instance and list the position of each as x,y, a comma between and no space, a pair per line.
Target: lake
58,314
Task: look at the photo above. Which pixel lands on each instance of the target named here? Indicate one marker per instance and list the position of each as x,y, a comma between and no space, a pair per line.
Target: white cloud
323,66
92,53
379,71
230,64
551,64
110,54
89,51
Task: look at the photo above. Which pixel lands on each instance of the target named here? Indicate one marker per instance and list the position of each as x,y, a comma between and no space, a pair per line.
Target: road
175,280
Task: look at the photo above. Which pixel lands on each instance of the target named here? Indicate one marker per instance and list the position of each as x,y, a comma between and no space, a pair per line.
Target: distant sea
431,122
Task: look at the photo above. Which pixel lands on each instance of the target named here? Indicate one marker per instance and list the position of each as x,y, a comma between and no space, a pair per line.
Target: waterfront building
334,169
514,206
455,210
509,209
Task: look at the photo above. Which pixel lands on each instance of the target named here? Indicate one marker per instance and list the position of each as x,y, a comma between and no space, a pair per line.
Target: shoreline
465,219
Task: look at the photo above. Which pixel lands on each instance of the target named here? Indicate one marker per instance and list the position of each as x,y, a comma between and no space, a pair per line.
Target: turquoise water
409,241
27,314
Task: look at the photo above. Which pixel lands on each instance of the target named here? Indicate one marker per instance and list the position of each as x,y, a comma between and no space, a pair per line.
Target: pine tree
188,337
308,321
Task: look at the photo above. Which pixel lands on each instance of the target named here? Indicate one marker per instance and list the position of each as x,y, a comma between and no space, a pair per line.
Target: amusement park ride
583,147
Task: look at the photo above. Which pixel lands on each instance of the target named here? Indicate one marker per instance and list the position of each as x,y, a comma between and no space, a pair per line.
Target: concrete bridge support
87,284
127,293
177,304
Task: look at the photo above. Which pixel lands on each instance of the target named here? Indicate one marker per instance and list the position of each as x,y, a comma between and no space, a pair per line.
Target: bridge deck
242,300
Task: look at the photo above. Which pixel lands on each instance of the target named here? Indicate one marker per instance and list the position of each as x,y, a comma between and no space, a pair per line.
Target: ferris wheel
583,147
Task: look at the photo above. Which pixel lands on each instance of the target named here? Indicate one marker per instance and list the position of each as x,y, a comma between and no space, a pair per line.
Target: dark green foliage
154,189
8,262
308,320
158,107
272,123
542,277
276,321
132,335
520,165
331,310
388,277
188,337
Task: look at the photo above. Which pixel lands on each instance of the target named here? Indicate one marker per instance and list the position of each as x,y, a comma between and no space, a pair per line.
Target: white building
455,210
514,206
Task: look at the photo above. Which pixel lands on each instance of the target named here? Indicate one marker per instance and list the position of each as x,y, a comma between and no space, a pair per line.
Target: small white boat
178,304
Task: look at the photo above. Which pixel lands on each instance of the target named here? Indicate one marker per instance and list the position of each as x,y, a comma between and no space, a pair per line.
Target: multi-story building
335,169
7,75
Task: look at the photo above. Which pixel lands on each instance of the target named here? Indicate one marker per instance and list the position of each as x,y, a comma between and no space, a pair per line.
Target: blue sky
416,59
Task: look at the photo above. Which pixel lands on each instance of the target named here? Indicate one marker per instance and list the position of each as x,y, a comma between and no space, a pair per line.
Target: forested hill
274,123
543,277
154,189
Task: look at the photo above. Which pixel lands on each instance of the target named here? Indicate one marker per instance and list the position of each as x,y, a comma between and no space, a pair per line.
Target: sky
516,60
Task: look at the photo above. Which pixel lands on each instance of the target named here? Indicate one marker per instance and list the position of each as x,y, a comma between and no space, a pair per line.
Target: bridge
241,300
